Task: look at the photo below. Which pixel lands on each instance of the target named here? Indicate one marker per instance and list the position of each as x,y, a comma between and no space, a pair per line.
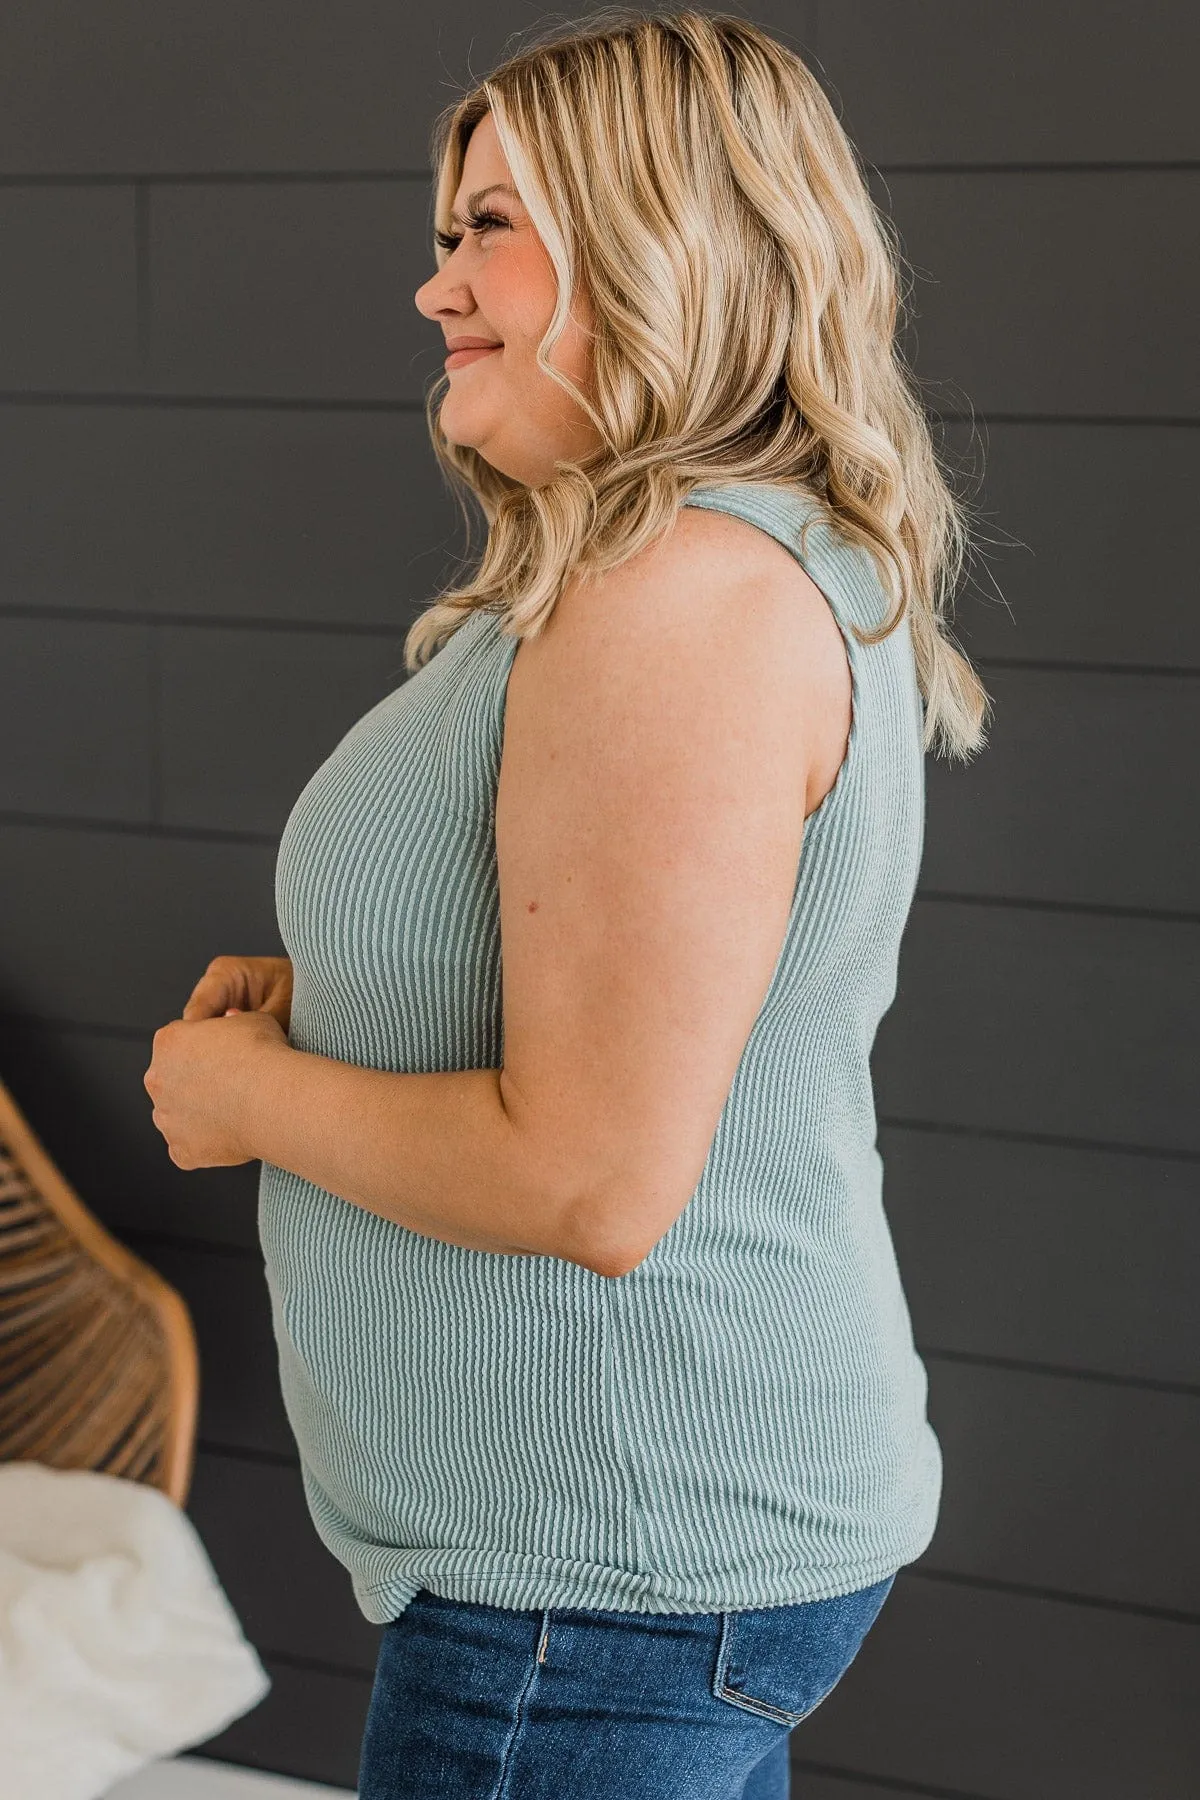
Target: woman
590,1328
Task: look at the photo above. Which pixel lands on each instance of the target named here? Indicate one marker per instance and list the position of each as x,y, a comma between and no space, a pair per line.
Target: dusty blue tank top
739,1421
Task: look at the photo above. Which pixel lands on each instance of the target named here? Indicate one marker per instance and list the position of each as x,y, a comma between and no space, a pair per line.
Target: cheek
518,297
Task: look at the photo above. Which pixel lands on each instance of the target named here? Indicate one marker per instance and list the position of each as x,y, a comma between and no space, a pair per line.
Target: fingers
197,1007
209,998
242,984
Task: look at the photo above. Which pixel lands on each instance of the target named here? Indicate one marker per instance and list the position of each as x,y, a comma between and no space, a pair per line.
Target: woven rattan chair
98,1365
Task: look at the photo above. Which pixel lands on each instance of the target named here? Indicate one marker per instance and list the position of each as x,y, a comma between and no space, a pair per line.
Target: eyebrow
473,200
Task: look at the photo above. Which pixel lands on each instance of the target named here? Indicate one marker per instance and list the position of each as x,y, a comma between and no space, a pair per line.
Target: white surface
117,1642
198,1778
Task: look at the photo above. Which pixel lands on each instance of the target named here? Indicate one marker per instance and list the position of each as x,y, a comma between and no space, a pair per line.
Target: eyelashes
477,221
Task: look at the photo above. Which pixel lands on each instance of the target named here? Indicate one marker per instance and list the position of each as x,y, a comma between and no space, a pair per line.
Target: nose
425,298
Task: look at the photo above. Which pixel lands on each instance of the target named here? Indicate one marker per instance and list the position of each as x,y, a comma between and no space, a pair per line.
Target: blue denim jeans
478,1702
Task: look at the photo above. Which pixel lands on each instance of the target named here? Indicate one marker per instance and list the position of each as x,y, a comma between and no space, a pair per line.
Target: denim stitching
765,1710
748,1702
519,1720
736,1697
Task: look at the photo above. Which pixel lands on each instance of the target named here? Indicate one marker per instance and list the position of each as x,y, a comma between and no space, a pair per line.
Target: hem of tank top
859,1579
682,1609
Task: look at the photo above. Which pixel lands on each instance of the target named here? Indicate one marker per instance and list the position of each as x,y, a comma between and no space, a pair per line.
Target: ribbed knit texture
740,1420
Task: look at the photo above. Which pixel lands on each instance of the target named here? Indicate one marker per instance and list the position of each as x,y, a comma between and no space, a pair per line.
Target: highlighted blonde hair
689,171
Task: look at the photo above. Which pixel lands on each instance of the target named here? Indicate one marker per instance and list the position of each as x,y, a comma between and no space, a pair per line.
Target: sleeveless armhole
784,514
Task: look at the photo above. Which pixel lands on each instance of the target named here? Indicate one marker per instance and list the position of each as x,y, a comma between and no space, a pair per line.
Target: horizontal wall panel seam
1081,908
1060,1371
271,1459
300,626
151,831
854,1778
315,1665
1034,1591
1052,1140
132,397
256,402
137,1238
326,177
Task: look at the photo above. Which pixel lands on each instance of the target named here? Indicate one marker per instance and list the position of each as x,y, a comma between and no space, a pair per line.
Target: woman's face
499,284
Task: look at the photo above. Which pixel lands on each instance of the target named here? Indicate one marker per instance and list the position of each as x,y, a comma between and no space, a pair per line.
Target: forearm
438,1154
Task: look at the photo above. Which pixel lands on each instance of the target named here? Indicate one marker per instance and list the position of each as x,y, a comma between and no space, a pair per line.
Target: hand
243,984
205,1078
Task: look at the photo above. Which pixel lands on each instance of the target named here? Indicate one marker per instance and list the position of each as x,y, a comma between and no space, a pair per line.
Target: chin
457,433
457,422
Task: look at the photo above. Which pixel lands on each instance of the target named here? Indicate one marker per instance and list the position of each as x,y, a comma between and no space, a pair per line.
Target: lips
467,350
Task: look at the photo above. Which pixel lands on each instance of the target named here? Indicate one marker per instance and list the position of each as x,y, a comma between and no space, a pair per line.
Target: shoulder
708,571
714,603
714,635
718,548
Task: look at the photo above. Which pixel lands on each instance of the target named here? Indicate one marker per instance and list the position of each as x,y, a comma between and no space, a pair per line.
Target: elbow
590,1234
610,1248
553,1198
598,1250
623,1219
584,1213
612,1268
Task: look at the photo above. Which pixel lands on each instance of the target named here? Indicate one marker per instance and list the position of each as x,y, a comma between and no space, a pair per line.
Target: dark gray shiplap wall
221,513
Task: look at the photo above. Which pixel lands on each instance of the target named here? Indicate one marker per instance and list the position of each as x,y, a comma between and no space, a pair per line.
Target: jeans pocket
782,1661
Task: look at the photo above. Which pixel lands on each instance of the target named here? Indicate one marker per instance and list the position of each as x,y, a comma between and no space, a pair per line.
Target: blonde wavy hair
690,172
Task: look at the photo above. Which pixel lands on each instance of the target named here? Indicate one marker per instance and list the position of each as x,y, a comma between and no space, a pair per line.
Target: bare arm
657,766
660,749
